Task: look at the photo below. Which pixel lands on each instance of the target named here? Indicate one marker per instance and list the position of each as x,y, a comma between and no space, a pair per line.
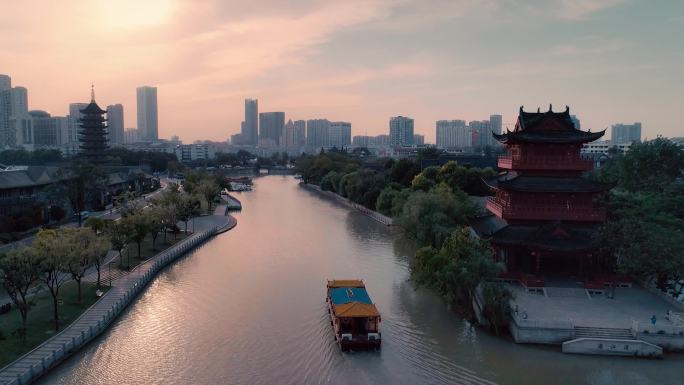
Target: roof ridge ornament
550,107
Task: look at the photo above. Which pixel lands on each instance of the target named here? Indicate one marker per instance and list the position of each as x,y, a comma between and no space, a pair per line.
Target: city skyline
561,56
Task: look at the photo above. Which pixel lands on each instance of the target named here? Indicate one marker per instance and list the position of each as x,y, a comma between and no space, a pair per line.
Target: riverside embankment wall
100,315
385,220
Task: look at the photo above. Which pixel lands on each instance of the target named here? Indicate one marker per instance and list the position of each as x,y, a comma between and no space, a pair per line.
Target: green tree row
645,228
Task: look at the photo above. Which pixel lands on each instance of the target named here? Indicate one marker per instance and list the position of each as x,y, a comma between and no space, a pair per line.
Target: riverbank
385,220
100,315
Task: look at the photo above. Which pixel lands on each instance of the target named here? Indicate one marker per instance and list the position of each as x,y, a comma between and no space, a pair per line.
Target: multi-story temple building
93,134
547,208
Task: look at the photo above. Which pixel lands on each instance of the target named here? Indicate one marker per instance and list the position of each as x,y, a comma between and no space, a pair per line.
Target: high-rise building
271,126
418,139
361,141
625,133
379,141
250,126
131,135
452,134
401,131
481,133
115,124
13,103
70,134
148,125
19,101
5,109
22,131
339,134
300,133
5,82
317,133
289,135
46,129
496,123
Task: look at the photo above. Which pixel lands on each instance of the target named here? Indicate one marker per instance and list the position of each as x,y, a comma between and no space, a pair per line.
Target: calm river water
248,308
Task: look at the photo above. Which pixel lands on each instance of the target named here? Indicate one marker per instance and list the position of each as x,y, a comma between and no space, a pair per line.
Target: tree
90,250
455,269
140,226
432,216
19,269
209,190
80,182
52,250
119,233
497,305
169,219
96,224
155,223
77,242
649,166
188,207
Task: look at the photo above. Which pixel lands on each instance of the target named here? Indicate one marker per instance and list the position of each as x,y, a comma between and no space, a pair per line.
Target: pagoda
547,208
93,134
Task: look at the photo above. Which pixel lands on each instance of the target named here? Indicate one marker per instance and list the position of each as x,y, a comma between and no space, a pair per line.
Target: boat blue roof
342,295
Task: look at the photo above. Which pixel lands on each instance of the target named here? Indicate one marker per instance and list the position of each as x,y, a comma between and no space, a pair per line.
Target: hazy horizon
612,61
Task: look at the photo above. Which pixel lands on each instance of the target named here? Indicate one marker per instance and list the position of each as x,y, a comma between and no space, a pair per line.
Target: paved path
96,319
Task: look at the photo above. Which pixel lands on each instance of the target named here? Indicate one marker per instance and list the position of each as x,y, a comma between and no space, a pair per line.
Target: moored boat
354,317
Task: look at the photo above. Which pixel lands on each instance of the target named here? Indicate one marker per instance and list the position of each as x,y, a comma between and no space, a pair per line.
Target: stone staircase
605,333
609,341
566,292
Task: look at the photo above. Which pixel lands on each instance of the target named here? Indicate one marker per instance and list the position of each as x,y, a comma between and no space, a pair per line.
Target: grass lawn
130,253
39,324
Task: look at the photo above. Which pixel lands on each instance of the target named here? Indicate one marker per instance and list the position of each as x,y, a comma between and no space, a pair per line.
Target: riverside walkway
98,317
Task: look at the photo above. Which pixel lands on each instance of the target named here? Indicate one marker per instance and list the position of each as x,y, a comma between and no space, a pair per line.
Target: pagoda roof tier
552,236
514,182
547,127
93,108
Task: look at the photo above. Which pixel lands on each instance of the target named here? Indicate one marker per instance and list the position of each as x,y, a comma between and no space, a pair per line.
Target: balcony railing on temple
581,163
545,212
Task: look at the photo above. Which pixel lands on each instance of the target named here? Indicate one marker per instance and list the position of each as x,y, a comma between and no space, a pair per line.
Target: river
248,307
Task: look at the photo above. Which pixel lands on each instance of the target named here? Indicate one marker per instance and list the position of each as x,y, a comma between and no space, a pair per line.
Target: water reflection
248,308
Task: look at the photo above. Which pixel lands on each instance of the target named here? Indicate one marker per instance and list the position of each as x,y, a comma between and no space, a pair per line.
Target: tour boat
354,317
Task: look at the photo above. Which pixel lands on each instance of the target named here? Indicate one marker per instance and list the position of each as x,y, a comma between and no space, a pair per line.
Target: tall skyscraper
115,124
13,104
317,133
401,131
625,133
300,133
496,123
289,134
339,134
250,126
452,134
5,82
481,132
70,135
271,126
5,108
147,113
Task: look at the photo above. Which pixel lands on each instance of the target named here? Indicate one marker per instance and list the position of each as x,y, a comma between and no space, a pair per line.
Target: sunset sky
355,60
